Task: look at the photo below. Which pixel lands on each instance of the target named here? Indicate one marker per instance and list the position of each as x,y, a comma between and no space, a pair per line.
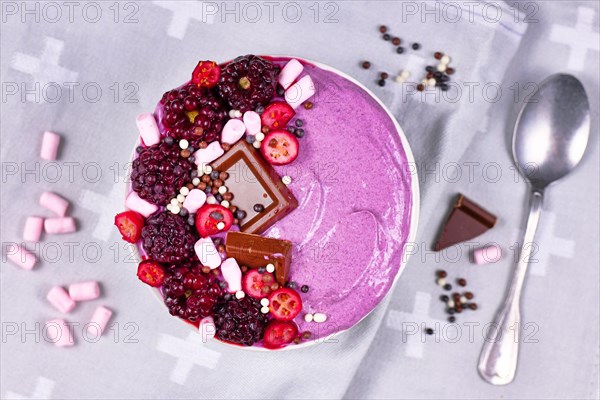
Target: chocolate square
255,251
252,180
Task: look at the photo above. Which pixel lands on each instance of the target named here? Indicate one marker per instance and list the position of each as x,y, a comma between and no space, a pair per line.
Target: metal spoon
549,140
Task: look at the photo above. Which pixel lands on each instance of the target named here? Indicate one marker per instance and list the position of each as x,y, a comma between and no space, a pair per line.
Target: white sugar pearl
441,67
308,317
220,225
184,191
222,189
259,136
169,206
239,294
445,60
450,303
424,82
238,114
225,204
256,144
264,310
211,200
207,169
184,144
175,209
463,299
441,281
232,113
196,181
286,180
180,198
319,317
264,302
431,82
405,74
400,79
270,268
175,202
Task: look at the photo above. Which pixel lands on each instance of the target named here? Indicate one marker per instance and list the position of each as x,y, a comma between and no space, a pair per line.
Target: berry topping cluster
181,212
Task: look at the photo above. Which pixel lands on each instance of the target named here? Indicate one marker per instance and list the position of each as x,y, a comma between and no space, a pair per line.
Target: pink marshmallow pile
58,330
65,302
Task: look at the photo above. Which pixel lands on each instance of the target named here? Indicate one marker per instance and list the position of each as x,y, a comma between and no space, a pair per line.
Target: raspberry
240,321
247,82
159,172
189,293
168,238
193,113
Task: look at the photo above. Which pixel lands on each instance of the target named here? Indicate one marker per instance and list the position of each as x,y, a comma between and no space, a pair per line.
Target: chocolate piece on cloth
467,220
255,251
253,181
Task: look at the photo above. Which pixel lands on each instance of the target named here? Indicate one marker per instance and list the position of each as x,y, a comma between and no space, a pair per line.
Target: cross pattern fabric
122,56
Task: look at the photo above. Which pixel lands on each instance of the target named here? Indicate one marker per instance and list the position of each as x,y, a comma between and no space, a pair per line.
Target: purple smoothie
352,183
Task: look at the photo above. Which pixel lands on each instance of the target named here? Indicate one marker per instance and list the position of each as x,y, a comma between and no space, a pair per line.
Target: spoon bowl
549,141
552,130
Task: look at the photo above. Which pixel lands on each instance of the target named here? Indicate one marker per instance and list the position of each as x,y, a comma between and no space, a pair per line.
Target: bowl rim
414,217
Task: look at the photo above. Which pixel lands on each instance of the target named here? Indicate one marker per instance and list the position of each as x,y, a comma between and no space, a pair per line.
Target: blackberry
240,321
248,82
159,172
193,113
168,238
189,293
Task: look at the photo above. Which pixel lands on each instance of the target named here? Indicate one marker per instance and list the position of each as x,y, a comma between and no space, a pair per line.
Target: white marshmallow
233,131
208,154
290,72
300,91
232,274
207,328
136,203
148,129
252,122
194,200
207,253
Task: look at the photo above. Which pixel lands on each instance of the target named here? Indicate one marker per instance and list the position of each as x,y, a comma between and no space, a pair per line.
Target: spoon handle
498,359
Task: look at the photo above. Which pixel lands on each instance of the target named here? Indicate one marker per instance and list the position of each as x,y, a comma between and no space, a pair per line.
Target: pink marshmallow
20,256
60,299
99,320
60,225
33,229
83,291
207,328
50,143
207,253
232,274
54,203
148,129
233,131
194,200
290,72
208,154
252,122
300,91
136,203
487,254
59,333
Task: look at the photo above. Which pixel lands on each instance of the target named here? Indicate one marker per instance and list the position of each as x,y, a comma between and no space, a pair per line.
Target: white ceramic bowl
414,217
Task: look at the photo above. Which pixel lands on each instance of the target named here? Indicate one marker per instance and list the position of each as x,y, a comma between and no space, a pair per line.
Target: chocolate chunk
256,251
467,220
252,181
